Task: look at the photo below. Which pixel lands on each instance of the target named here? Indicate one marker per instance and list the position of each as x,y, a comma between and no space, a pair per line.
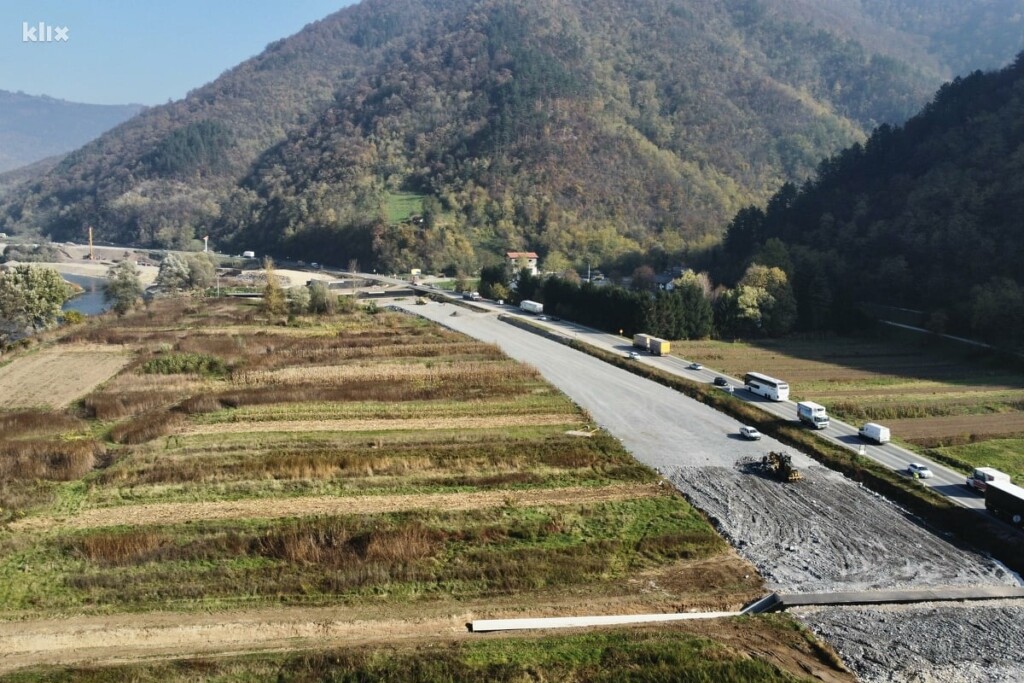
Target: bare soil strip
57,376
135,637
145,637
175,513
409,424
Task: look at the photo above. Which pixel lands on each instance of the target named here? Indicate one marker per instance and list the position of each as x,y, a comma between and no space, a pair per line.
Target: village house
522,260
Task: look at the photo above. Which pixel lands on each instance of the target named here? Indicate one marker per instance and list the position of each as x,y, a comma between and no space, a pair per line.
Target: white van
248,254
874,432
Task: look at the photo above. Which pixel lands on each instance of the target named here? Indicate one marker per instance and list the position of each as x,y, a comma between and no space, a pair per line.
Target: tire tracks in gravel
825,533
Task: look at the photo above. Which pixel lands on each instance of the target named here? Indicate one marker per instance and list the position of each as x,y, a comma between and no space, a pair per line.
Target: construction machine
780,466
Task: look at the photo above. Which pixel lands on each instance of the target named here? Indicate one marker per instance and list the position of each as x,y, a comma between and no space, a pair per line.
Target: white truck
873,431
531,306
812,414
981,476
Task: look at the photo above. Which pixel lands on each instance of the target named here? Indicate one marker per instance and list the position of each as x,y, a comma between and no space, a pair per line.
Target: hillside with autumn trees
927,216
422,133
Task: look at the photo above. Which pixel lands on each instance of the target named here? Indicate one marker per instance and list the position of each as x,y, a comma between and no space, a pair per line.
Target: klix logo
43,33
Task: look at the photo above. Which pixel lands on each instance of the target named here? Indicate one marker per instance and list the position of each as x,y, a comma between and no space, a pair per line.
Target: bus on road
769,387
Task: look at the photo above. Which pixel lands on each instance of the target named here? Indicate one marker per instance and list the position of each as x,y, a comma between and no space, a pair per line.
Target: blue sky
142,51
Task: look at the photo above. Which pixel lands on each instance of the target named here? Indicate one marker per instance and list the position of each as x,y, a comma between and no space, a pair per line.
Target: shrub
186,363
73,317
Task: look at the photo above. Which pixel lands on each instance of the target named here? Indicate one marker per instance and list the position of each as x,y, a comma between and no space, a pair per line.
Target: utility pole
92,256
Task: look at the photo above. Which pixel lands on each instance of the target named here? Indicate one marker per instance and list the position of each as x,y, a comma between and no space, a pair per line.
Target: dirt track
125,638
174,513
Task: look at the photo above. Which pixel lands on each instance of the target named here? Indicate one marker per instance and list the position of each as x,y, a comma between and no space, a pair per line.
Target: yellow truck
651,344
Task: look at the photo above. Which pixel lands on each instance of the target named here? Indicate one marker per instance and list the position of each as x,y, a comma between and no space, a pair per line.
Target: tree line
761,304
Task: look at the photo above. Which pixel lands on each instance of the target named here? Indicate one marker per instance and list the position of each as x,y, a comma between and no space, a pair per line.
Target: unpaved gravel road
925,643
826,533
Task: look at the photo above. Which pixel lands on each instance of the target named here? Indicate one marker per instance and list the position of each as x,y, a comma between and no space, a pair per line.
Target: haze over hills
33,128
590,128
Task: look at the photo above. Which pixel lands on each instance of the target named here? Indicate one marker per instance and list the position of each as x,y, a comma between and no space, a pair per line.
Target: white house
517,258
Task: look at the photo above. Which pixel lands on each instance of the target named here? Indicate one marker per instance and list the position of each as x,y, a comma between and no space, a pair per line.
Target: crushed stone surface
926,643
826,533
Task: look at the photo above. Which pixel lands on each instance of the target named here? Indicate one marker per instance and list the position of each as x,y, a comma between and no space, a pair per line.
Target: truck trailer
982,477
651,344
812,414
531,306
1005,501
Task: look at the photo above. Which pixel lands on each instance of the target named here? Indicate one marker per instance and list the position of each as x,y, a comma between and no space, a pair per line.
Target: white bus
769,387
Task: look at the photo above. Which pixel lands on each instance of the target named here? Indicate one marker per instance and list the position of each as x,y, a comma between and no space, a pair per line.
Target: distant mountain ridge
590,128
33,128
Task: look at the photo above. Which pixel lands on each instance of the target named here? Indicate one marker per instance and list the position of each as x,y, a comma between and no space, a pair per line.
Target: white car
633,355
749,433
695,366
920,470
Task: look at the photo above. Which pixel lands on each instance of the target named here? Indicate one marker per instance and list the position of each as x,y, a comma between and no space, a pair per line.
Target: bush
186,363
73,317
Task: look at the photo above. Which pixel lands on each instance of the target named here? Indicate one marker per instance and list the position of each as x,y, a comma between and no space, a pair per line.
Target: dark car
721,382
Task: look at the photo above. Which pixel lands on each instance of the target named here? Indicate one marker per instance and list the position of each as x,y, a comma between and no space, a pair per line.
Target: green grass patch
186,363
400,206
1003,454
472,284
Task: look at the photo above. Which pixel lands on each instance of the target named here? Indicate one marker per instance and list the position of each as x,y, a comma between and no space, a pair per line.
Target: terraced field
371,463
930,398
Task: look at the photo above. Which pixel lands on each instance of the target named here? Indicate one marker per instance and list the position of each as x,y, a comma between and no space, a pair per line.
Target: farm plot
265,467
54,377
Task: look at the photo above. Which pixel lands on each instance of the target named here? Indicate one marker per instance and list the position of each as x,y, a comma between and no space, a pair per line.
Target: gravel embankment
926,643
826,533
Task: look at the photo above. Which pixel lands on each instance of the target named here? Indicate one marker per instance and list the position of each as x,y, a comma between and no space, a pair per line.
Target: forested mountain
33,128
928,216
587,127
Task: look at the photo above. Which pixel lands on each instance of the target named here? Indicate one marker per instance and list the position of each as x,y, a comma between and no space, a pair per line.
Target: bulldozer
780,466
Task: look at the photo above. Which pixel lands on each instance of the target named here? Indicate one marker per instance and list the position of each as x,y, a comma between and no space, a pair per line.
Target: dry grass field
54,377
929,398
371,463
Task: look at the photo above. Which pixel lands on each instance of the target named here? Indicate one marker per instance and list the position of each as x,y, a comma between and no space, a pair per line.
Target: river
90,301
